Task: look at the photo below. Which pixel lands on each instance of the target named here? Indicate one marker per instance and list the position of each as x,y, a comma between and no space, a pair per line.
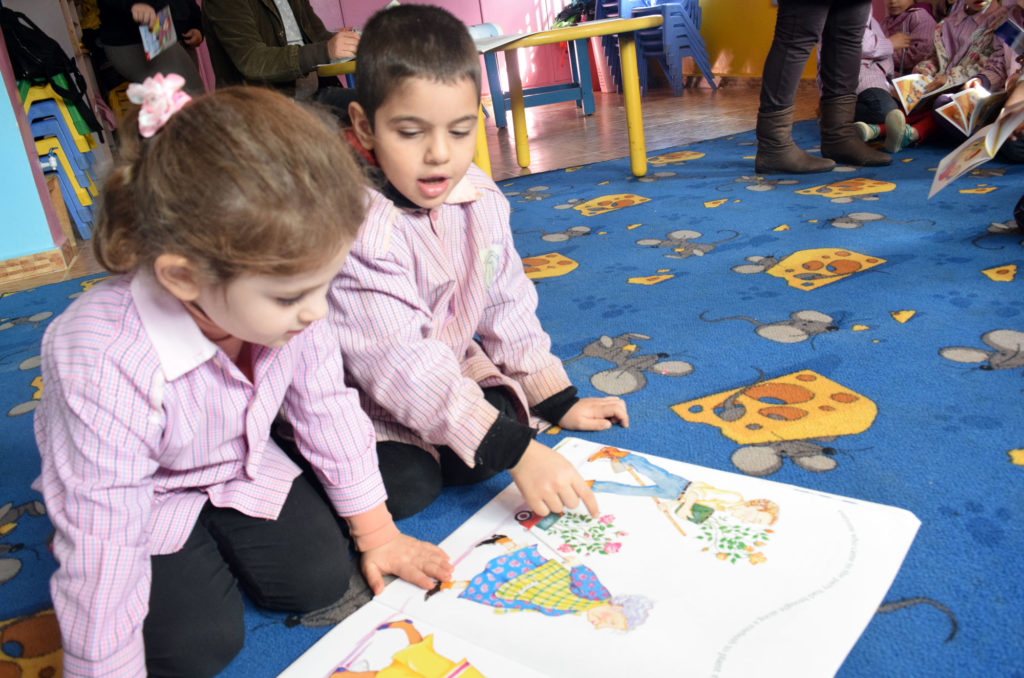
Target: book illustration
160,35
418,659
978,149
731,528
1012,34
910,91
972,108
523,578
640,585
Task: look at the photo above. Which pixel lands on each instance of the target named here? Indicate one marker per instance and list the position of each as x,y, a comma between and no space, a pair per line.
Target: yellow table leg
481,157
515,91
631,94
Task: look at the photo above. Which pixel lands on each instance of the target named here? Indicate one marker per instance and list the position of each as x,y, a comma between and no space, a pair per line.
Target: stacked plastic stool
63,142
678,37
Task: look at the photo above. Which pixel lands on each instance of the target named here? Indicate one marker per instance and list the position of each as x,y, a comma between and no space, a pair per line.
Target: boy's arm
510,332
385,332
97,482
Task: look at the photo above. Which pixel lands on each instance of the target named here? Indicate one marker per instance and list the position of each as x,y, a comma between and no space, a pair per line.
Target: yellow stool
85,194
118,100
481,156
83,143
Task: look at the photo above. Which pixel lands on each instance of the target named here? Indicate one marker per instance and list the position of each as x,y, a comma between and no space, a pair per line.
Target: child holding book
158,470
435,315
963,44
877,112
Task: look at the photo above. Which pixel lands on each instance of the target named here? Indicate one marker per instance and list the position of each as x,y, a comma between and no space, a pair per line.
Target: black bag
38,58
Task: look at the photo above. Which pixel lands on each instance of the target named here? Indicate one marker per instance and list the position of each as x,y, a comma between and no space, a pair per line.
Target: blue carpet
903,317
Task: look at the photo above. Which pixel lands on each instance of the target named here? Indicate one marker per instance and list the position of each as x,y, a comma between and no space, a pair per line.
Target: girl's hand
938,82
417,562
550,483
900,40
143,14
595,414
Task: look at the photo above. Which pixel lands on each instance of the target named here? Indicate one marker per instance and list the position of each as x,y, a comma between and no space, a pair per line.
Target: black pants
413,479
839,24
297,563
873,104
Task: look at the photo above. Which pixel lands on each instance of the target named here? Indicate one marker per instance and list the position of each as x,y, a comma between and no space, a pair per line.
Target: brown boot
839,138
776,152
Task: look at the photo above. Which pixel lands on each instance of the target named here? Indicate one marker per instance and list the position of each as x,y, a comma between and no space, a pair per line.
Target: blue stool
54,127
678,37
580,90
81,215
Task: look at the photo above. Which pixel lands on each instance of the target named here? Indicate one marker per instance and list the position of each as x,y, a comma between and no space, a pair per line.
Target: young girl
228,223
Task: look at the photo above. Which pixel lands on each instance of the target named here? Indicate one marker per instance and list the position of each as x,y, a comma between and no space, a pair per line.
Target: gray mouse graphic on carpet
1007,351
628,374
680,243
801,326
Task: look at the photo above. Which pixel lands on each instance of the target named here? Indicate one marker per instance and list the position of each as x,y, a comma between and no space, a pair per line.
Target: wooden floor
560,136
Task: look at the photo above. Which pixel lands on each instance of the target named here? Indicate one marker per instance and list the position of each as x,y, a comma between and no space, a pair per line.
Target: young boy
436,318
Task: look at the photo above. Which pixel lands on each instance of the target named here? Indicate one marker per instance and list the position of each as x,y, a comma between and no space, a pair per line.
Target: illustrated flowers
160,97
582,534
733,542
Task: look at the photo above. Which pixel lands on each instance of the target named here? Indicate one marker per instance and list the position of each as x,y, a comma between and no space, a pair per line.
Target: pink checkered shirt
142,421
417,291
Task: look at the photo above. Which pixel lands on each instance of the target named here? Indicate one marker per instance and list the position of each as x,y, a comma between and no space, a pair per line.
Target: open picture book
685,571
978,149
972,108
910,91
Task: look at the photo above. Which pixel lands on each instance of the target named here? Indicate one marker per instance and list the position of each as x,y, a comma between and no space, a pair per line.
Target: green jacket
247,43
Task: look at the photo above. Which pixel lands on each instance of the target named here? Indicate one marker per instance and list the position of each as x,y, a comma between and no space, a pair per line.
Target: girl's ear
361,125
178,276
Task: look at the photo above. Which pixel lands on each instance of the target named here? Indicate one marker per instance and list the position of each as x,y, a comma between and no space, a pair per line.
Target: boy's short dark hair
412,41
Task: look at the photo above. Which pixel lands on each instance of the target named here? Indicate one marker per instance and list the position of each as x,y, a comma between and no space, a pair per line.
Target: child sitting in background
161,384
436,317
963,45
877,112
910,28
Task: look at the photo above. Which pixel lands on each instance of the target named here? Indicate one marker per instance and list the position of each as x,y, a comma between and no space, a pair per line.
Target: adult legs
841,43
130,62
797,29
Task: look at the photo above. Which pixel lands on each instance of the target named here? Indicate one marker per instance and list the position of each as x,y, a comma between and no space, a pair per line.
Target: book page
978,149
954,114
910,91
685,571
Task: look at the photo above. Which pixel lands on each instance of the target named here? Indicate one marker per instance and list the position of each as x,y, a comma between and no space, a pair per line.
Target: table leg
481,156
515,92
631,95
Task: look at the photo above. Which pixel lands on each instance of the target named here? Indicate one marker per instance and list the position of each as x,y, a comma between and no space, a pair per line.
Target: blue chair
678,37
580,90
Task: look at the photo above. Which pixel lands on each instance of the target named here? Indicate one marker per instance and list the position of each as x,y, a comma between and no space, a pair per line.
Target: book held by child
972,108
979,148
160,35
910,91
